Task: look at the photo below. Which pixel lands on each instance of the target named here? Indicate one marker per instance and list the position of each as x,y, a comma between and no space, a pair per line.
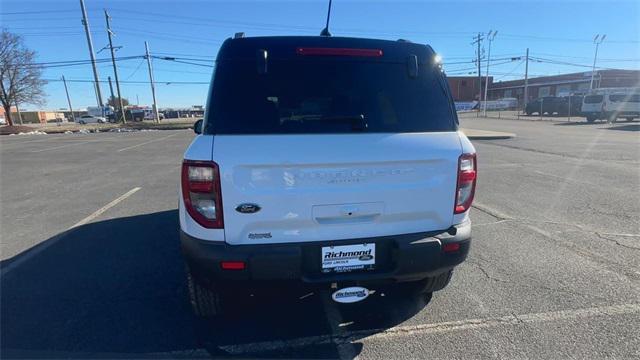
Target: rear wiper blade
357,121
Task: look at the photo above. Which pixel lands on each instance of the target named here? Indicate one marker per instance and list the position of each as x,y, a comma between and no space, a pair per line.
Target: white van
611,104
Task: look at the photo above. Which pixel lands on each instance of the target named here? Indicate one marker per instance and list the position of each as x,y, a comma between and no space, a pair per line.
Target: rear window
624,98
320,95
593,99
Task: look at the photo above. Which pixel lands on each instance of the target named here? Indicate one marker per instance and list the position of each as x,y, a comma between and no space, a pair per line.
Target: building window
508,93
463,82
563,90
544,91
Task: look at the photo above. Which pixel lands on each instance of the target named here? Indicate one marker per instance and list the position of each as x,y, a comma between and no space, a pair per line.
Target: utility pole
153,88
596,40
477,40
115,69
111,88
85,22
73,117
490,37
526,80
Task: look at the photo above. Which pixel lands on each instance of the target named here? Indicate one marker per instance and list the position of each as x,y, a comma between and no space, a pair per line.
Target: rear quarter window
624,98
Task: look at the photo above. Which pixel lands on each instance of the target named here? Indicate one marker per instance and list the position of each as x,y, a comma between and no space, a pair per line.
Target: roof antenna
325,31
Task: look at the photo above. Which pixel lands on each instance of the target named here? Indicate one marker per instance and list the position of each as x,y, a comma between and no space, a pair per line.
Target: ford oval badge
247,208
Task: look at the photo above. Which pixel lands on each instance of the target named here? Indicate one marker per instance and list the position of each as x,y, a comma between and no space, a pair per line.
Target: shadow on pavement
627,127
580,123
116,288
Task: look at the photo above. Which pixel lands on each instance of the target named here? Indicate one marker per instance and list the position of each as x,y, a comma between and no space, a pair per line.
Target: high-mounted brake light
201,193
338,52
467,175
232,265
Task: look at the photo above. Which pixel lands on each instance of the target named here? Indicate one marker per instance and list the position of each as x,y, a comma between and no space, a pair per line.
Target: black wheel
591,119
529,113
205,301
439,282
629,118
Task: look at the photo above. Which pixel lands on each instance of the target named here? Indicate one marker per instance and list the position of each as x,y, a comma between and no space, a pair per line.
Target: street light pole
526,81
490,37
477,40
596,40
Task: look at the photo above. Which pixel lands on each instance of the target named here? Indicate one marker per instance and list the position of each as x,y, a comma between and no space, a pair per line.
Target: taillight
467,167
201,192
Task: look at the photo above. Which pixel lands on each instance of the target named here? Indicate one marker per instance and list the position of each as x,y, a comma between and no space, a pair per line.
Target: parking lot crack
485,273
604,236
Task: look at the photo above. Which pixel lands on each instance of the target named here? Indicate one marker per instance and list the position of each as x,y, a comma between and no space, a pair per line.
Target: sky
559,34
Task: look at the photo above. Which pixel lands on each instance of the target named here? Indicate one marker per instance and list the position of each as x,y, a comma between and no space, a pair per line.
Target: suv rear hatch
331,138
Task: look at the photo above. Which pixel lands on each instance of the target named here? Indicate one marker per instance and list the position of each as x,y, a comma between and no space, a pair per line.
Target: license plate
345,258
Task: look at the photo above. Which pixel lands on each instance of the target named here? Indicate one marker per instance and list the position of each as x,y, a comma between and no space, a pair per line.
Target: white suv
328,161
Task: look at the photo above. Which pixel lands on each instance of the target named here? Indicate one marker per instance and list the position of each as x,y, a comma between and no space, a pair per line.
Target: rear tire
591,119
205,301
629,119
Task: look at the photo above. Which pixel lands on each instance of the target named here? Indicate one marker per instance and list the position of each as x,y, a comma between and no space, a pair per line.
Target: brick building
465,88
559,85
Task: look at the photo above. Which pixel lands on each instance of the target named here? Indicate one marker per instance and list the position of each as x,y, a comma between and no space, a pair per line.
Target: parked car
570,105
134,114
89,119
334,162
545,105
612,103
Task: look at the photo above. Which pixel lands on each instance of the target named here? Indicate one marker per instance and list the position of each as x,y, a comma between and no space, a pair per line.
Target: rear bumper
400,258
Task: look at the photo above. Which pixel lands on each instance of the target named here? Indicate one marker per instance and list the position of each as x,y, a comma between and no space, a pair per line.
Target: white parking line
146,142
105,208
43,246
60,147
435,328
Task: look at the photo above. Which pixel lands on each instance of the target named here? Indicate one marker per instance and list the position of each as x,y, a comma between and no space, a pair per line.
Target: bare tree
20,78
115,101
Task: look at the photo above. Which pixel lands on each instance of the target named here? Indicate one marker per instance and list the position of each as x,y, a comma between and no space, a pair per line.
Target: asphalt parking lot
91,265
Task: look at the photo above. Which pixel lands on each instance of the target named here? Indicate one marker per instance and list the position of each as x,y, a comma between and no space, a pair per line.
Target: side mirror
197,127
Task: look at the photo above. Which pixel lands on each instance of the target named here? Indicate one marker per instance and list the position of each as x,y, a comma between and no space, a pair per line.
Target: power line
557,62
135,82
136,70
37,12
55,64
191,55
503,75
180,61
